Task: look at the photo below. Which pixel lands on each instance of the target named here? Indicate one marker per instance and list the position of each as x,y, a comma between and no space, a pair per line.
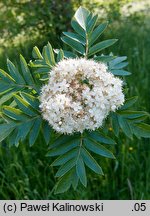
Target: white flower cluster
79,95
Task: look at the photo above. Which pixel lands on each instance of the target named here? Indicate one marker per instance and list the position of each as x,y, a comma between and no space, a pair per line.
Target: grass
25,173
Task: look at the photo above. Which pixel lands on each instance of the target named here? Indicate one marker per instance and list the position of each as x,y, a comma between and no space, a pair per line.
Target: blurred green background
25,173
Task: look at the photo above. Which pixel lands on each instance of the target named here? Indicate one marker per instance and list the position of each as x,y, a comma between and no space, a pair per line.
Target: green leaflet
12,138
125,126
39,63
48,55
64,148
86,34
26,72
30,99
4,87
36,53
91,23
129,102
22,131
65,157
91,162
47,131
80,169
14,72
24,106
26,119
115,124
130,114
116,66
101,45
16,81
65,167
14,113
120,72
97,32
128,120
63,139
44,62
35,131
5,98
103,58
142,130
75,37
60,55
81,17
74,156
64,182
120,65
117,60
5,130
99,137
77,28
68,54
6,77
74,44
97,148
74,179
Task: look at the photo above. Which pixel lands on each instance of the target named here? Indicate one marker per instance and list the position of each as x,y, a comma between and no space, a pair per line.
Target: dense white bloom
79,95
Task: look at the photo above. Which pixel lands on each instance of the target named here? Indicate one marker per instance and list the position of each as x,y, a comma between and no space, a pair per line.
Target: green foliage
20,89
86,34
116,66
21,122
130,121
74,154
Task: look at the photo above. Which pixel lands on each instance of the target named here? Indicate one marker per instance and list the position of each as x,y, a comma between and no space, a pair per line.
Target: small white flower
79,95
